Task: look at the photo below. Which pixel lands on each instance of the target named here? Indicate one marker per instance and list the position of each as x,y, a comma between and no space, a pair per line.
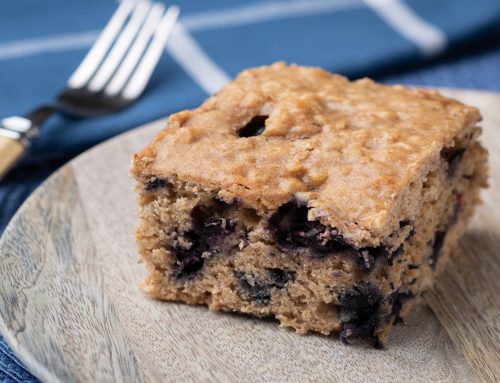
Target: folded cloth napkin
41,43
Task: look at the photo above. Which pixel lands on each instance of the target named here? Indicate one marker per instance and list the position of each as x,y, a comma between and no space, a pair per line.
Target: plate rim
30,361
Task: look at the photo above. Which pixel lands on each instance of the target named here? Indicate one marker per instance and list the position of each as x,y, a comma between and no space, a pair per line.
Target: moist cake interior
203,246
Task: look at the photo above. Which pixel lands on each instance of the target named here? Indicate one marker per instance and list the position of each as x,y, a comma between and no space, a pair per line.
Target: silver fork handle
16,133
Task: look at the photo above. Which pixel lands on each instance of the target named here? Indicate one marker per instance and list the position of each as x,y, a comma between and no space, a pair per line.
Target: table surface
476,67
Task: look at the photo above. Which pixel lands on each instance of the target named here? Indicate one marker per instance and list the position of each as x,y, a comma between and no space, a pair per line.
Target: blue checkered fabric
449,43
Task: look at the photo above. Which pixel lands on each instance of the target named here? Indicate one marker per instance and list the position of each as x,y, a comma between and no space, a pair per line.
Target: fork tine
87,67
142,74
133,56
120,48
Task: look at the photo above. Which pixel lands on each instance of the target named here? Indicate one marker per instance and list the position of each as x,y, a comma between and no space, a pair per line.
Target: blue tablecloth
449,43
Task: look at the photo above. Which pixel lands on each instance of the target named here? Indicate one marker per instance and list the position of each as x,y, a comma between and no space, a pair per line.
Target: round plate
71,308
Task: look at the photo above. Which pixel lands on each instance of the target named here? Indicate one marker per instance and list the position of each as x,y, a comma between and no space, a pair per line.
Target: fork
113,74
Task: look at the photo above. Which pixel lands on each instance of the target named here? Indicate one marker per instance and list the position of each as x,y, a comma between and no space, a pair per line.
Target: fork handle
11,151
15,133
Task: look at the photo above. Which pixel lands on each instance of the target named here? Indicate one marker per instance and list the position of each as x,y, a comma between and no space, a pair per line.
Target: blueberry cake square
295,193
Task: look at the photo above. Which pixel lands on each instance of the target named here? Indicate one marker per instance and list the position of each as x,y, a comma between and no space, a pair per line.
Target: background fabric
447,43
41,43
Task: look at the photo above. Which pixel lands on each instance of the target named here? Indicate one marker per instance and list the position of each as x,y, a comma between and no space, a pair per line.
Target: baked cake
294,193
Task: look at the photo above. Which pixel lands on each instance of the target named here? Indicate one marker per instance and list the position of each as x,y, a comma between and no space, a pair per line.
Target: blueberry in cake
295,193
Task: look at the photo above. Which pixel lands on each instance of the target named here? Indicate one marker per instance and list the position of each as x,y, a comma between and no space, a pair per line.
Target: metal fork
113,74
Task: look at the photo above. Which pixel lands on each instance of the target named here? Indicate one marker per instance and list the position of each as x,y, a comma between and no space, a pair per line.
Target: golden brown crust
352,149
392,174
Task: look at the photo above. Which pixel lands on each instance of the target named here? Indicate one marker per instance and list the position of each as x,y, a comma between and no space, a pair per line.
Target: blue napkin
41,43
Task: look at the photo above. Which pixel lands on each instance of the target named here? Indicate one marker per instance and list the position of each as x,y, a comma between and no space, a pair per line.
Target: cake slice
294,193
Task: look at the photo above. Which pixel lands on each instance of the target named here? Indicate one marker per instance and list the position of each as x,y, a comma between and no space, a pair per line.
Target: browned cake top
348,148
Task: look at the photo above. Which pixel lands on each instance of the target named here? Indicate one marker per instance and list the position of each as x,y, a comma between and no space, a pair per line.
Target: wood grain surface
70,306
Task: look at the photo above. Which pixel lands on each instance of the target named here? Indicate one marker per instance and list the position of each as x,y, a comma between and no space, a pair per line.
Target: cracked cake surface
297,193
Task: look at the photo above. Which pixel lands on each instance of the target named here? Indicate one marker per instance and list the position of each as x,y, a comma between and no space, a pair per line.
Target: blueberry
279,278
258,287
155,183
254,127
204,236
258,292
188,260
359,311
291,229
436,248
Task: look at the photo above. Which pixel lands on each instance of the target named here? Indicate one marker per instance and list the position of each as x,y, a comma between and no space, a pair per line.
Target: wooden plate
71,310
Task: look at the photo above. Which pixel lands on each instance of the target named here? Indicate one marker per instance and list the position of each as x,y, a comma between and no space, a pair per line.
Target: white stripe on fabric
191,57
260,12
203,20
47,44
428,38
205,72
